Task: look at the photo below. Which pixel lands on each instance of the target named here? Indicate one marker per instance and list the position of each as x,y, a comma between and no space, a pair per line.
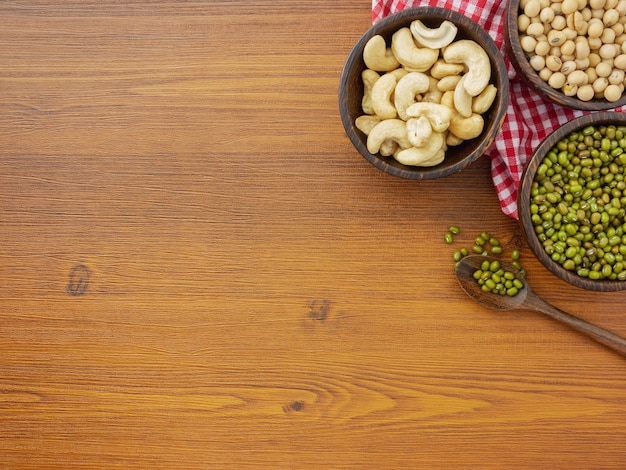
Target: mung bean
579,201
497,280
501,281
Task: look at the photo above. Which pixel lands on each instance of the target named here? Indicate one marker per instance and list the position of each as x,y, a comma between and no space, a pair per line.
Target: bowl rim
498,68
523,199
522,65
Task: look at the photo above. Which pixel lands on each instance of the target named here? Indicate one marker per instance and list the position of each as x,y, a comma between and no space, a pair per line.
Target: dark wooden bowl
523,199
522,65
351,93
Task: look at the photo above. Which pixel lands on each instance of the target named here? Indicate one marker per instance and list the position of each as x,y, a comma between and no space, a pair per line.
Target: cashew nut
377,56
483,102
448,83
419,131
389,129
369,77
366,123
382,95
399,73
452,140
441,69
433,95
470,53
438,115
448,99
417,157
422,104
430,155
407,88
462,98
434,38
389,147
467,128
408,54
433,82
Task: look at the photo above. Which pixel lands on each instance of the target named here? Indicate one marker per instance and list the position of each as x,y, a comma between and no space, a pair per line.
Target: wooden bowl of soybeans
572,52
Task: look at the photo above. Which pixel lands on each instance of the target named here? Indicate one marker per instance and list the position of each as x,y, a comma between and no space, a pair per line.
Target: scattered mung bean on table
491,276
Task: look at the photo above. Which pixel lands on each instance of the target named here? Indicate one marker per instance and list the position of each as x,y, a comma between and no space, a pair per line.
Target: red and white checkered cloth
529,118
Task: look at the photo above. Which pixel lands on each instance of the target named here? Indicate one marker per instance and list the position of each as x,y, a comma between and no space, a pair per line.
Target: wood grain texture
199,271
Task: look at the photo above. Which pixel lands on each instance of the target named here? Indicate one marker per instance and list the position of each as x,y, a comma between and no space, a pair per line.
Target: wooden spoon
527,299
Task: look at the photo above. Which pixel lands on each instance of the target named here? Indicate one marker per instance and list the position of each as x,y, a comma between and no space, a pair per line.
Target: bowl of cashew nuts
572,52
423,93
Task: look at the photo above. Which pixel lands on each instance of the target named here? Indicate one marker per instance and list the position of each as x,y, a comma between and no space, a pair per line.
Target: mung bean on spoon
527,299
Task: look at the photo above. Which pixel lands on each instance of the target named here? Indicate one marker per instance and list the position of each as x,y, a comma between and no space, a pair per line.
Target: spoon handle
601,335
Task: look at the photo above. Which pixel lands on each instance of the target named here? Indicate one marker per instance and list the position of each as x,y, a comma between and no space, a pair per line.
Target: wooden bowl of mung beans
572,53
572,202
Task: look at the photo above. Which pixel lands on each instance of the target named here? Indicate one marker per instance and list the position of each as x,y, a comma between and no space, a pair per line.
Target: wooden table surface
199,271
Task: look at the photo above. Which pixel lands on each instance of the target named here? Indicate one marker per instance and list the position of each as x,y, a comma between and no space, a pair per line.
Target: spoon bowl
527,299
464,273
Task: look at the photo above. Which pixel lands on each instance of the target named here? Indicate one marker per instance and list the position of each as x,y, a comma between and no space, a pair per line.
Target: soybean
576,48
